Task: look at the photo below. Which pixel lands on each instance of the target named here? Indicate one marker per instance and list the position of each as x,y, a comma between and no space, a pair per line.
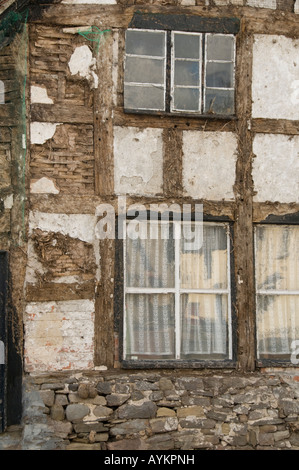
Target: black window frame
191,24
119,309
274,220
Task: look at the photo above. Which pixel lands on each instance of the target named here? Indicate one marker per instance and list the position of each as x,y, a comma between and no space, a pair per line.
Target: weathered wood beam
173,121
59,291
117,16
243,231
275,126
61,113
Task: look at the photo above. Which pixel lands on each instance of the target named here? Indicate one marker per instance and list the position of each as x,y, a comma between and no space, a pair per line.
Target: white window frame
164,58
172,70
202,72
233,61
177,291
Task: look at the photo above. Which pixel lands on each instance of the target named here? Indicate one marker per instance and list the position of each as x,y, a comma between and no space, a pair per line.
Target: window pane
206,268
141,70
145,43
219,101
219,75
220,47
144,97
149,326
277,325
186,73
150,263
277,257
204,326
186,99
186,46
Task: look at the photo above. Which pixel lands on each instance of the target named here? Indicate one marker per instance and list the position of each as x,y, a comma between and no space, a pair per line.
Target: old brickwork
84,152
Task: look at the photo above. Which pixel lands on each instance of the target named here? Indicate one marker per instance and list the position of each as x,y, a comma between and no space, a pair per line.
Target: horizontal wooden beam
61,113
59,291
275,126
259,21
87,204
166,121
262,210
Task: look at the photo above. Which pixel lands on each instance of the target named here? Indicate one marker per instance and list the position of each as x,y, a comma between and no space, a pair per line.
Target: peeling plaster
82,63
138,155
81,226
59,335
34,268
2,92
75,30
8,202
40,132
39,95
44,186
262,4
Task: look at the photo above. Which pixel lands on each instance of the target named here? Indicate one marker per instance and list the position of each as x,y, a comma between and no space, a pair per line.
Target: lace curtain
277,283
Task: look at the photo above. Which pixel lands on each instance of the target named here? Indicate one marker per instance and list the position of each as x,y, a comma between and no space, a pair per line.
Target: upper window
177,298
277,290
179,72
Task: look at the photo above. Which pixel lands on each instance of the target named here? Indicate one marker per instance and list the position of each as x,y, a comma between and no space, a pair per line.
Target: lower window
277,290
177,295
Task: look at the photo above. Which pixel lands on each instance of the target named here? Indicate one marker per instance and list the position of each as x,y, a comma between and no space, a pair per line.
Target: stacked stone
163,412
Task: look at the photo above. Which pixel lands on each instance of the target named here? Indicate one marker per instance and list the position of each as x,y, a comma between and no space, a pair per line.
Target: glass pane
145,43
149,326
277,257
150,262
206,268
204,326
220,101
220,47
142,70
277,325
144,97
219,75
186,99
186,46
186,73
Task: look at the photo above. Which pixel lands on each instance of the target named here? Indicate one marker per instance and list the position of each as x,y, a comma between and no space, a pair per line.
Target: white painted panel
275,80
209,162
138,161
276,168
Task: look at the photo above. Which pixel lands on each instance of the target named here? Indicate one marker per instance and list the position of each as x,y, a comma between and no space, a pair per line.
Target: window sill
275,363
179,114
163,120
188,364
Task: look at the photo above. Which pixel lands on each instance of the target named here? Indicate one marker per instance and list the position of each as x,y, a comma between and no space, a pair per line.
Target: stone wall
161,411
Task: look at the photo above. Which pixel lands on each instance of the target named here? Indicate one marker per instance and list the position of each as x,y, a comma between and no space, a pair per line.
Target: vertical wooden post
243,246
172,165
104,186
103,125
